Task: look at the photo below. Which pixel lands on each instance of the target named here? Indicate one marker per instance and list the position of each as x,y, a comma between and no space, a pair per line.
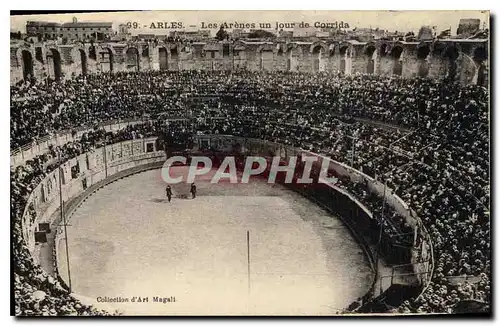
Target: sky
403,21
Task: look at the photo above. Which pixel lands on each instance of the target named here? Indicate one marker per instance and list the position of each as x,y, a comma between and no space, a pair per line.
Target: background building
467,27
43,29
426,33
82,30
304,31
73,31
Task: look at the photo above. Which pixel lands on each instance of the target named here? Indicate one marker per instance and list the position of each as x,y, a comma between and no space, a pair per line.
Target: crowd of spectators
36,292
427,140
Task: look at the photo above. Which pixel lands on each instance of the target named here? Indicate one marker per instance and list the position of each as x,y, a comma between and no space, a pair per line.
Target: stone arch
438,48
83,61
290,46
437,62
370,52
211,51
423,51
54,64
49,186
92,52
239,46
281,57
174,52
145,59
397,44
480,56
384,49
316,58
451,53
19,53
266,54
163,57
279,51
369,48
318,50
396,55
345,50
26,60
79,55
266,47
145,51
239,54
288,49
132,58
106,59
322,47
331,49
110,48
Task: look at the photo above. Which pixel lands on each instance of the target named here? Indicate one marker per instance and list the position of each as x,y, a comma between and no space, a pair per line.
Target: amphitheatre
404,125
465,58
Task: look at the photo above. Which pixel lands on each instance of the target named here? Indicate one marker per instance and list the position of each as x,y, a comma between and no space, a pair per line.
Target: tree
221,34
15,35
260,33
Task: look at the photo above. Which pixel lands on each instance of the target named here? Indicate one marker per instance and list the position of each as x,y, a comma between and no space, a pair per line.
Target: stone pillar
154,57
348,61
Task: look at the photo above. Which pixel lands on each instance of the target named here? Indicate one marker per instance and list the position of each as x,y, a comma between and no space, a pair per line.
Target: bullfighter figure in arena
193,190
169,193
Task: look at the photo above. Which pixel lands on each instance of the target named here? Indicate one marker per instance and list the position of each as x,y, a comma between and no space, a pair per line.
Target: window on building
39,54
225,50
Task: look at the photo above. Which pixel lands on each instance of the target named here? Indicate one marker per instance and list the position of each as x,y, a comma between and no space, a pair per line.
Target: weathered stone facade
466,60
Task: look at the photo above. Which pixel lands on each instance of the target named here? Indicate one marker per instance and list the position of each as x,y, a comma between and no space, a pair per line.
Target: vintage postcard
249,163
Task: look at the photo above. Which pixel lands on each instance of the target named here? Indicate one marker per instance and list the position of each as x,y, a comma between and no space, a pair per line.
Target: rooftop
87,24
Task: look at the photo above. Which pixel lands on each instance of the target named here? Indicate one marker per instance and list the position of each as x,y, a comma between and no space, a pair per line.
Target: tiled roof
87,24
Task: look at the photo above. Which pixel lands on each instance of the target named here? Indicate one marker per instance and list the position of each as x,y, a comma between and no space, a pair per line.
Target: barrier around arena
78,174
152,161
22,154
421,259
102,163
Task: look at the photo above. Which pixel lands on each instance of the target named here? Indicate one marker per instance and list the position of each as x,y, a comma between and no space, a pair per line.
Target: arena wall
250,55
93,167
22,154
102,165
421,259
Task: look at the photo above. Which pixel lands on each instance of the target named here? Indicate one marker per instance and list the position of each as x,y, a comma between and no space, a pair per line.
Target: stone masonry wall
254,56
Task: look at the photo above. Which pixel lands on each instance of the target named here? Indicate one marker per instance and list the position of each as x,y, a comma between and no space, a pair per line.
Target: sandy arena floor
128,241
